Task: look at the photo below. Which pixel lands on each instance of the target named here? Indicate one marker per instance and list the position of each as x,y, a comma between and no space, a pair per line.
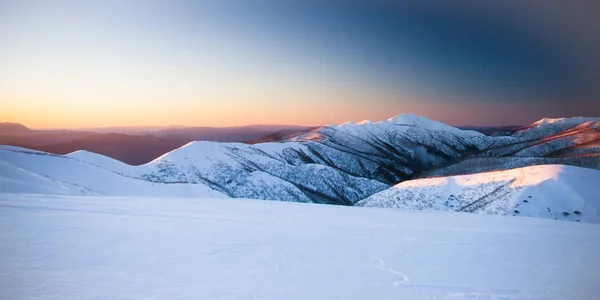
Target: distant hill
494,130
135,149
130,149
39,138
280,135
7,128
229,134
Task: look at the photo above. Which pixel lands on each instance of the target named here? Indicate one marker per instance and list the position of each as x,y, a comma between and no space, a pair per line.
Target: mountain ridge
345,164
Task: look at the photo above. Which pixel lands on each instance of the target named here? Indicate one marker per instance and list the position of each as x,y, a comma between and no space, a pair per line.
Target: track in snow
78,247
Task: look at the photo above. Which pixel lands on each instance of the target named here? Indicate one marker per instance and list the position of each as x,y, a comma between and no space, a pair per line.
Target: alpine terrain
367,163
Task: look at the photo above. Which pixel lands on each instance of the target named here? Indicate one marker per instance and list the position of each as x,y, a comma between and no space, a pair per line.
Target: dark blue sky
468,52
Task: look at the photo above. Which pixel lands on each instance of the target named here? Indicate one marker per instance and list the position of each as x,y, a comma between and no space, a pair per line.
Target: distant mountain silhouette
7,128
130,149
494,130
229,134
134,149
280,135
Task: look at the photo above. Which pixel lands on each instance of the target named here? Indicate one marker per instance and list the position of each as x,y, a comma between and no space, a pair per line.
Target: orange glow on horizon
80,115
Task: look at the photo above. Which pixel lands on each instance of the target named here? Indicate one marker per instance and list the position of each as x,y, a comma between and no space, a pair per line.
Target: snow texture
98,247
548,191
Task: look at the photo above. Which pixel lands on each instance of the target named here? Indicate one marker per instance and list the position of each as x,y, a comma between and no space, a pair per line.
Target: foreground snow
548,191
83,247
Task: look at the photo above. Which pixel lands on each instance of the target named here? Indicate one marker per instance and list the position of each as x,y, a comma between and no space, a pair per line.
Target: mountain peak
406,120
409,119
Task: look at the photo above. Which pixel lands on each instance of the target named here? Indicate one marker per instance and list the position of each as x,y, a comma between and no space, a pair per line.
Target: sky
78,64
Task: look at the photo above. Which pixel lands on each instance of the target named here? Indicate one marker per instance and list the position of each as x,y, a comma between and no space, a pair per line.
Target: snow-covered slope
99,161
558,138
399,147
548,191
65,247
26,171
279,171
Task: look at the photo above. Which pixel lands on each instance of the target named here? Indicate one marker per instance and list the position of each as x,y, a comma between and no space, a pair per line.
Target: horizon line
162,127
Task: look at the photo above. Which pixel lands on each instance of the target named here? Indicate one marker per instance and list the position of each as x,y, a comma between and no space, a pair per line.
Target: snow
201,154
99,160
407,120
84,247
573,121
547,127
24,171
545,191
271,171
17,180
19,149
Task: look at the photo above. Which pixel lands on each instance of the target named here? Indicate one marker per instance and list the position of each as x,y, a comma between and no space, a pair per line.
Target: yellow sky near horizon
64,113
77,114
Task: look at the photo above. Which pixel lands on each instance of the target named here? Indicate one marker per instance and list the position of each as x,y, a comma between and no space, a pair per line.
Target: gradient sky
74,64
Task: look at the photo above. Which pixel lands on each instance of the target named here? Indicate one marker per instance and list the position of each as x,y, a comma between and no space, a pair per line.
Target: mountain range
389,163
134,145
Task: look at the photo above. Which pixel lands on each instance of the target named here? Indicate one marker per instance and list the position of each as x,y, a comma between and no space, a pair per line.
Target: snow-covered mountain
334,164
548,191
548,126
568,141
340,164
